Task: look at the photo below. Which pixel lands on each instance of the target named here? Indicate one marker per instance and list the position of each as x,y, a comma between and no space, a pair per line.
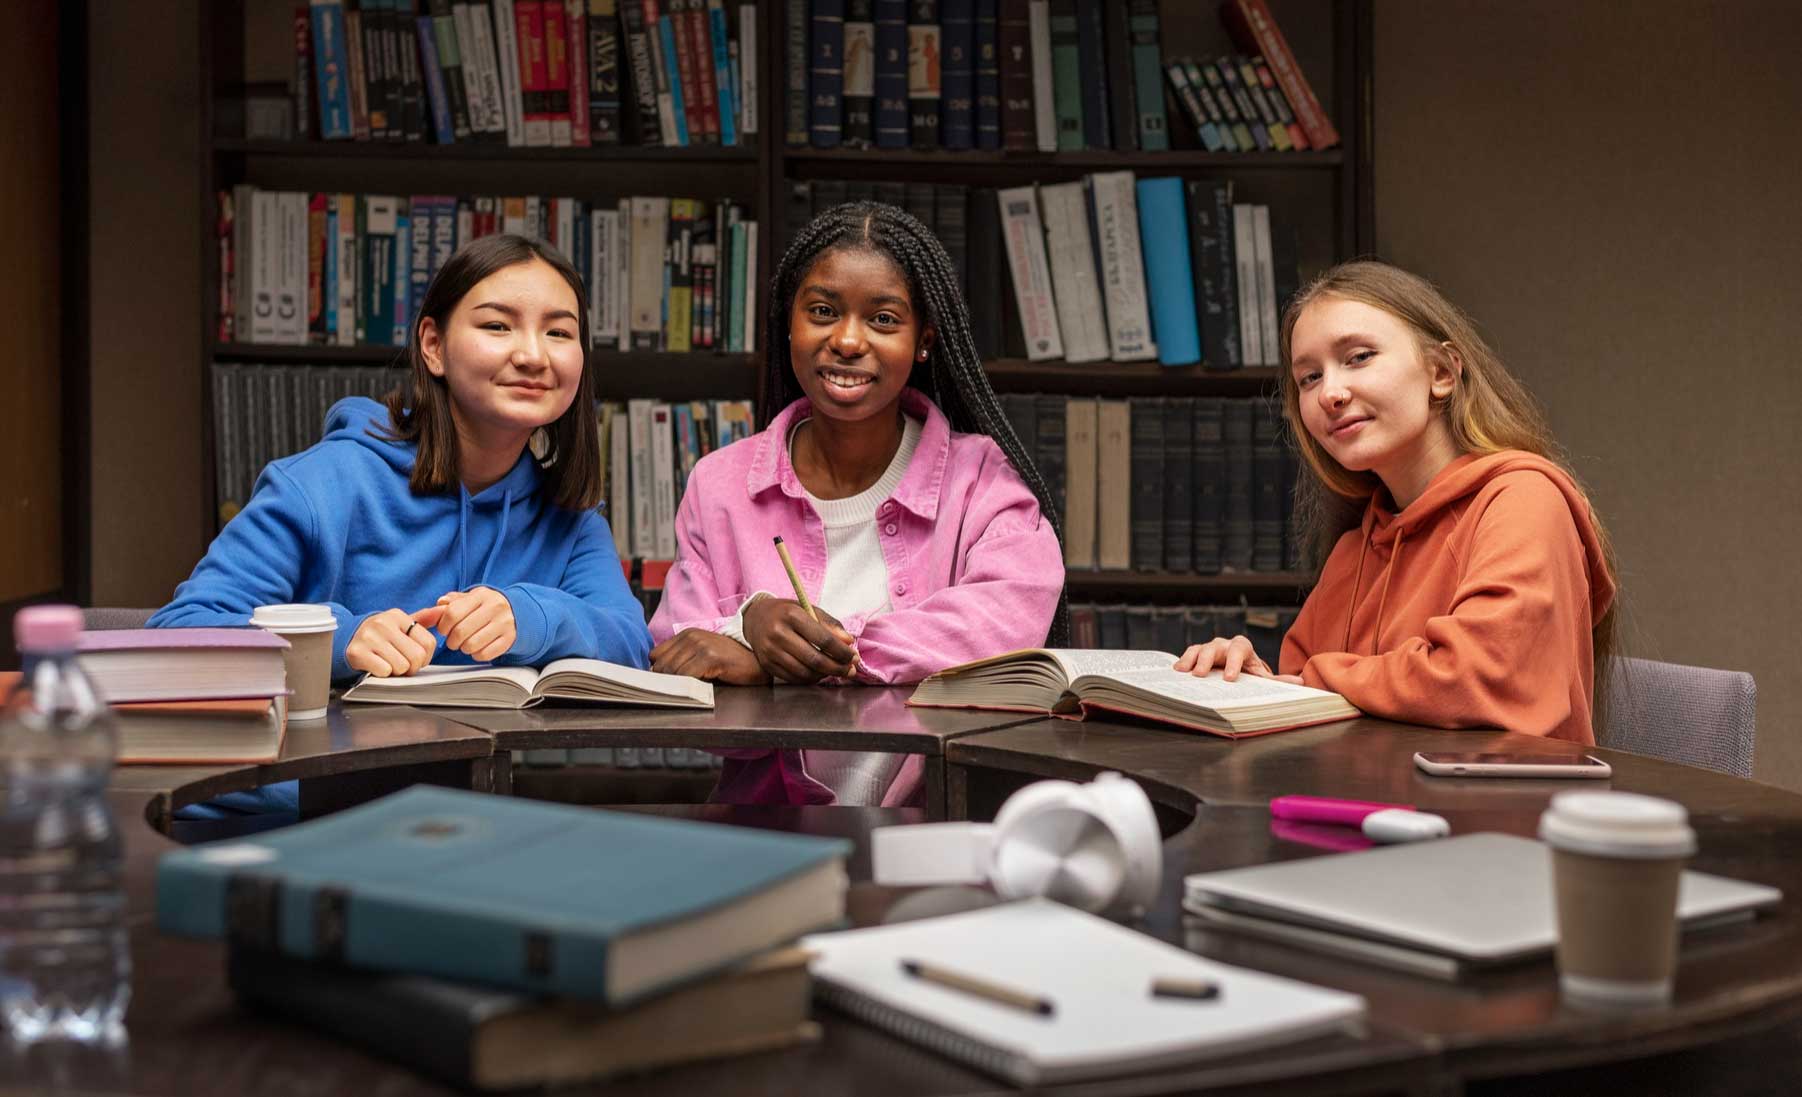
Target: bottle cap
47,628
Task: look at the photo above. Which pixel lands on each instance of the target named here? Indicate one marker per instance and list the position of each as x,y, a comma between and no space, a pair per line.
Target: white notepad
1097,974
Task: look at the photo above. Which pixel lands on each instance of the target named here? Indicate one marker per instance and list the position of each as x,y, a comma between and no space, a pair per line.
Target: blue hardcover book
542,897
419,250
434,82
891,74
826,73
403,279
331,68
957,86
988,74
666,38
1169,281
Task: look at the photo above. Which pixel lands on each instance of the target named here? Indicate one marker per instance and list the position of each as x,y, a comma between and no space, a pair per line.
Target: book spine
649,129
225,230
1066,65
1169,279
1298,137
1122,90
688,69
1050,442
355,81
450,66
1209,460
1255,31
707,83
520,41
663,487
1248,79
892,118
1114,206
1081,318
1210,249
1148,483
444,128
1080,480
1179,484
644,517
291,305
346,256
1114,485
1097,88
950,223
826,73
502,109
1267,487
1044,99
316,252
988,74
724,75
672,101
1025,236
1190,98
402,276
859,58
957,103
1248,115
469,53
1245,262
1264,267
924,80
798,112
1147,65
330,66
1218,97
416,113
366,62
1236,511
1015,33
750,82
988,274
559,103
604,100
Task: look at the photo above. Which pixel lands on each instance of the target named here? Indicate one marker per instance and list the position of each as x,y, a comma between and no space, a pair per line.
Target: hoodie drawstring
500,537
1357,581
1395,563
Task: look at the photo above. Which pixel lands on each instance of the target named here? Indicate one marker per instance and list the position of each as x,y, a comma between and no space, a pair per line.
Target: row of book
262,413
1236,105
1120,627
298,268
529,73
648,449
1165,483
686,758
1029,75
1109,268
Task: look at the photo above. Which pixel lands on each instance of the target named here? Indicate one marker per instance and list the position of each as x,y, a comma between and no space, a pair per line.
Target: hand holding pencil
795,641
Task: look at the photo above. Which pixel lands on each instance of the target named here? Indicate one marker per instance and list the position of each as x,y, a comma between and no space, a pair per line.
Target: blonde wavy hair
1488,411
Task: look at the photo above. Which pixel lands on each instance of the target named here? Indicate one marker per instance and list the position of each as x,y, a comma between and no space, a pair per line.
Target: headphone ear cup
1064,852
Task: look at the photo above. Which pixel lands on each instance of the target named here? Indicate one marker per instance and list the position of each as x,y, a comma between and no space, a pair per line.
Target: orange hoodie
1472,608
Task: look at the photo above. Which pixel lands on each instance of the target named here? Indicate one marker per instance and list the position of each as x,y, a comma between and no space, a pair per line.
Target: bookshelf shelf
1093,585
1041,162
388,150
1125,378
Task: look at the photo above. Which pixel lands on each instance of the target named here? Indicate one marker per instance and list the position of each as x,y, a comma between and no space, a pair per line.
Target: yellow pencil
793,577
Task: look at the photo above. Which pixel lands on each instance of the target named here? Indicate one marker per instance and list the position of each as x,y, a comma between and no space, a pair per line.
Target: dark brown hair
419,407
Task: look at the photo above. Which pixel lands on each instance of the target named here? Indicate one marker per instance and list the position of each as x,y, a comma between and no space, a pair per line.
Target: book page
1077,662
428,677
1215,692
633,679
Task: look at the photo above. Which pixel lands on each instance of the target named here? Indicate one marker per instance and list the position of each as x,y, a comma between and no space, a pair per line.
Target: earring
922,356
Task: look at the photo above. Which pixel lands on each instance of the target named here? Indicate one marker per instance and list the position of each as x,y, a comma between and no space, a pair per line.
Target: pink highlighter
1380,822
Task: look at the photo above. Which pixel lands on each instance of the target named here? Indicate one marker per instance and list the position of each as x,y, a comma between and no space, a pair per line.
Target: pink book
184,664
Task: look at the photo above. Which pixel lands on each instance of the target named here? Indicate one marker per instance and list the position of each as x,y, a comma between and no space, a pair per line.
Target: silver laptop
1438,908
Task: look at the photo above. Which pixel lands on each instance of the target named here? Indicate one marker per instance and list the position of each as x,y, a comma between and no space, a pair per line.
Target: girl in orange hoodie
1469,583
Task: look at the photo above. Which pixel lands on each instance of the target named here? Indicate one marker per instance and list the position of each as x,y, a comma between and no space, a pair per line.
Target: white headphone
1095,847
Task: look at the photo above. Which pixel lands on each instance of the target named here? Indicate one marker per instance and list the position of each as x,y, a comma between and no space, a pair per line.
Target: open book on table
1070,683
522,687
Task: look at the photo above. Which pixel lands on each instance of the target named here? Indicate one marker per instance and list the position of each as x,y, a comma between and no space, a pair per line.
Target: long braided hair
951,376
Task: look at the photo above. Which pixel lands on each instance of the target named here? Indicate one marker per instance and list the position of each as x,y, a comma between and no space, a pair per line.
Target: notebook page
1097,974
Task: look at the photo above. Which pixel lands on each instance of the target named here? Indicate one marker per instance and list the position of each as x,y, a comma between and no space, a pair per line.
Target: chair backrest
1692,715
102,618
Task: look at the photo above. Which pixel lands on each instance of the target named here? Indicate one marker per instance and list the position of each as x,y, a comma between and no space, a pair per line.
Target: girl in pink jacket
919,527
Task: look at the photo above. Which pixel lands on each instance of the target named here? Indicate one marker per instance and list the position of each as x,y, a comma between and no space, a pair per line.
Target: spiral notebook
1097,975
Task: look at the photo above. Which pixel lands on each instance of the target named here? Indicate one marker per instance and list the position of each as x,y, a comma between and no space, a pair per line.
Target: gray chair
102,618
1692,715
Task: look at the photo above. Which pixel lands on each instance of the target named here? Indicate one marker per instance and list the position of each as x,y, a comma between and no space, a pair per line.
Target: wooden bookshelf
1327,195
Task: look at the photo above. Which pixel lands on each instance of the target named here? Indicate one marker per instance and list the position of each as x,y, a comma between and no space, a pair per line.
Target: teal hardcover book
541,897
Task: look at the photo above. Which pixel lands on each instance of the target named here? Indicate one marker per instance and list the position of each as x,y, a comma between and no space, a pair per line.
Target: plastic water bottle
65,960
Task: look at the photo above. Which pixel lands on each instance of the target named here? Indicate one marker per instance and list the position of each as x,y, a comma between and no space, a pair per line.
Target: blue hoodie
337,524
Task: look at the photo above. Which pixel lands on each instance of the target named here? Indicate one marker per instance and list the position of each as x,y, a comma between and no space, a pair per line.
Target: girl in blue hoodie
432,514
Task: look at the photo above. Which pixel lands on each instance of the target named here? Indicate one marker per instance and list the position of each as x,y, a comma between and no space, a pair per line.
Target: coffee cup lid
294,617
1618,824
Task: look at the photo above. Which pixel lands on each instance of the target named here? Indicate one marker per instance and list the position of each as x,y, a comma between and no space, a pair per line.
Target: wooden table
1739,991
763,717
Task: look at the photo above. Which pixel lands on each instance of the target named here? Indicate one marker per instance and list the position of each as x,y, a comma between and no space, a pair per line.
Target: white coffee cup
1617,859
308,630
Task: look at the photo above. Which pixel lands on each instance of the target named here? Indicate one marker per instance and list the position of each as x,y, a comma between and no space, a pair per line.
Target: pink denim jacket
974,570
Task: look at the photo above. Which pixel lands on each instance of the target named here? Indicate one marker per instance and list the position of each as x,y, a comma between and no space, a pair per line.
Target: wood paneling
31,498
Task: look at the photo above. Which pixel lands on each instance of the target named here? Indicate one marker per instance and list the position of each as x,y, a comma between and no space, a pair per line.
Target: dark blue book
957,100
1216,277
1091,57
988,74
1240,478
506,892
826,74
1148,483
331,68
1209,457
433,73
860,73
891,74
1179,485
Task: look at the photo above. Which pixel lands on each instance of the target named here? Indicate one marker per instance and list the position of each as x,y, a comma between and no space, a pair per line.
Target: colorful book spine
1169,279
1255,31
604,103
443,128
450,67
924,69
725,97
637,41
705,89
671,74
331,69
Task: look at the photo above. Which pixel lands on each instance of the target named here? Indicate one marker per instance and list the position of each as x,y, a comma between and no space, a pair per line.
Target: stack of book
298,268
191,695
527,73
498,943
1033,76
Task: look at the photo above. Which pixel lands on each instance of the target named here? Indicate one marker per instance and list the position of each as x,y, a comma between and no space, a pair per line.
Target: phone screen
1455,759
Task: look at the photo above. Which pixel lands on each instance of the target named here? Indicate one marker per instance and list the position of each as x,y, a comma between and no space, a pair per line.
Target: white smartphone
1445,763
